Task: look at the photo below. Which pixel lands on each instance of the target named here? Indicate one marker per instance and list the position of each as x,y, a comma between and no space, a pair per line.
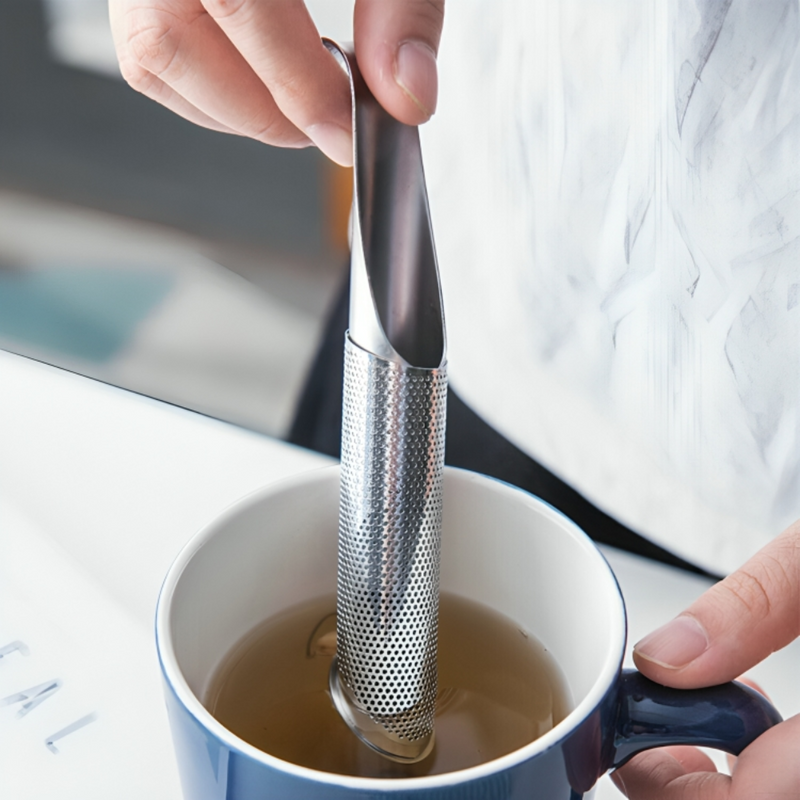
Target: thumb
396,44
734,625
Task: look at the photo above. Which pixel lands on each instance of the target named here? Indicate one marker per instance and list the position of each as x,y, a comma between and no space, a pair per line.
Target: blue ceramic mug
501,547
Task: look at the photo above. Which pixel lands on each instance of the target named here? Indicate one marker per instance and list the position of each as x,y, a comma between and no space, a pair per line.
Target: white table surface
99,489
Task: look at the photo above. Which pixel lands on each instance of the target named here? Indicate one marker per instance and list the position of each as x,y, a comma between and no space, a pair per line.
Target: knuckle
767,581
431,13
748,589
787,566
766,589
652,768
153,39
223,9
289,85
135,75
435,9
270,132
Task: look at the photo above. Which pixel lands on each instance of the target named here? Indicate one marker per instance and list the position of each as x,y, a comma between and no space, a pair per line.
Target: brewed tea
499,689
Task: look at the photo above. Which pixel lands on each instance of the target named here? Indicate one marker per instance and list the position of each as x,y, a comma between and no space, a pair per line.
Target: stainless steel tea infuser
383,678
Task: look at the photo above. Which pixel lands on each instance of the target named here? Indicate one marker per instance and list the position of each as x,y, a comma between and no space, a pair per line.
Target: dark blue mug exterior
635,715
624,714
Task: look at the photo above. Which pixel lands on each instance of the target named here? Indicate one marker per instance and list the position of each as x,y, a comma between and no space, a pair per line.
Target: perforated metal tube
389,539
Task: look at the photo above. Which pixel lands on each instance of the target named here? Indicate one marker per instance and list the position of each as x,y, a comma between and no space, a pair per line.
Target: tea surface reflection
499,689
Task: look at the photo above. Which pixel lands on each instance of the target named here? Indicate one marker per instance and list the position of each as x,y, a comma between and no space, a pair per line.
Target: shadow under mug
501,547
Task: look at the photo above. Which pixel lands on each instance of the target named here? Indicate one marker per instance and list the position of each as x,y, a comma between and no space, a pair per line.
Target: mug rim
558,733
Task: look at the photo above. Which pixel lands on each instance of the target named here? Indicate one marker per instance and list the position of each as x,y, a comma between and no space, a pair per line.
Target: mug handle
727,717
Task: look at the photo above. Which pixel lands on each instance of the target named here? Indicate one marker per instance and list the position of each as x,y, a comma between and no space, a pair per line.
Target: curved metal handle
396,310
727,717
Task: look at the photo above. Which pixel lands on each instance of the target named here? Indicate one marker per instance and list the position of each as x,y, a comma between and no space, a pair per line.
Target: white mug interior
500,546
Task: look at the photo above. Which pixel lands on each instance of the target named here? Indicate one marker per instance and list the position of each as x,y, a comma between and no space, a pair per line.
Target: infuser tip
374,734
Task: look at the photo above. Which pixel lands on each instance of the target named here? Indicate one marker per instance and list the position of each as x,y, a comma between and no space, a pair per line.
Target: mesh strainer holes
388,633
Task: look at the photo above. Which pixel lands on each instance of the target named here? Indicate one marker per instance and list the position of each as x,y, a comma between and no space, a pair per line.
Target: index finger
280,42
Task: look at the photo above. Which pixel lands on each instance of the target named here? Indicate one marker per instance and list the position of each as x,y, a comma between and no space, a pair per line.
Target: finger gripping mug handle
727,717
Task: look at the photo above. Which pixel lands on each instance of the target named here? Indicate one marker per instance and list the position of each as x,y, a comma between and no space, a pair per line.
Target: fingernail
415,74
675,644
335,142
